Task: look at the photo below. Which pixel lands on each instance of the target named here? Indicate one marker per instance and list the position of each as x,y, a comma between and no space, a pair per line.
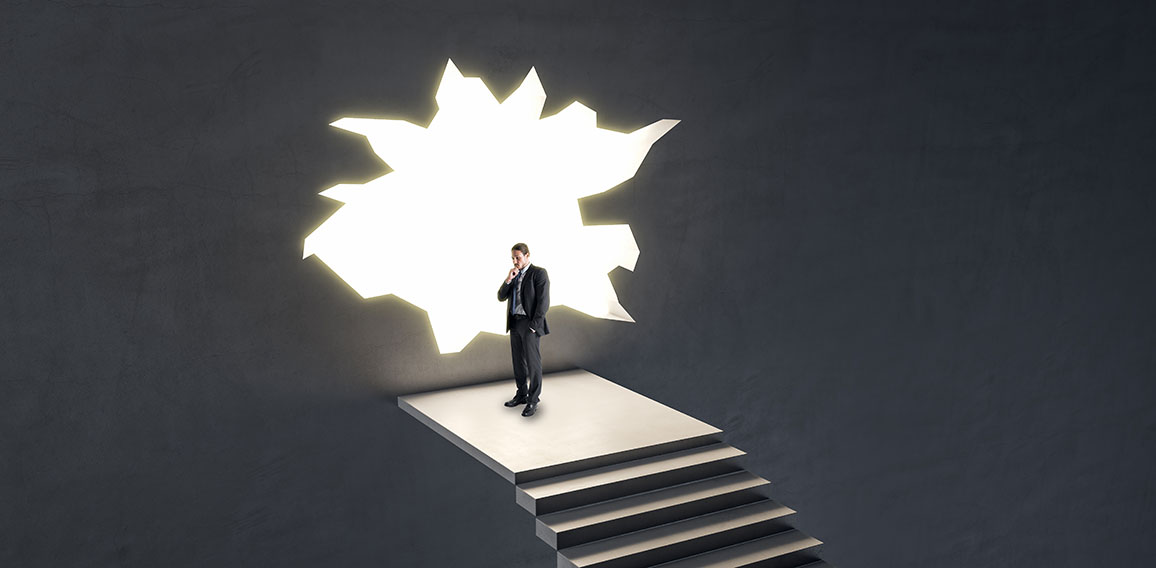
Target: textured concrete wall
901,252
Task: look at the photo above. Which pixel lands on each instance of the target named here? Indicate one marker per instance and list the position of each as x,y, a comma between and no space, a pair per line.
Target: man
526,292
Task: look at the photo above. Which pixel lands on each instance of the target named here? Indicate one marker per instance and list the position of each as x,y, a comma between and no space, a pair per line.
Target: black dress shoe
530,409
515,401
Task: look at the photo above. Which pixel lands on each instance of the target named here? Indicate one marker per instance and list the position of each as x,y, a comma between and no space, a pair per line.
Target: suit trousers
527,359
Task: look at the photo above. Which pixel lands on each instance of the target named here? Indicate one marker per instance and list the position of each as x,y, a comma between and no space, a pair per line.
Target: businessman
526,292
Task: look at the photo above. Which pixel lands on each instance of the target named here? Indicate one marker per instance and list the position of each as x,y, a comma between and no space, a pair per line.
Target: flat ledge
583,420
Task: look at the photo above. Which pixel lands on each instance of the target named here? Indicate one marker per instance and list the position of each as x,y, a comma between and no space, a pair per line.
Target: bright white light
436,232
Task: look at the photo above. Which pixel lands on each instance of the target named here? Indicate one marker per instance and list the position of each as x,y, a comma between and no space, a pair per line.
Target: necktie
517,292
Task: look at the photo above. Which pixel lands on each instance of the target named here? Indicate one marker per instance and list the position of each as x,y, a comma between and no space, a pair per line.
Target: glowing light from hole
437,230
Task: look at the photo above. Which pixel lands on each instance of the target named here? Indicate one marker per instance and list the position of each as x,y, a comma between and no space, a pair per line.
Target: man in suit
526,292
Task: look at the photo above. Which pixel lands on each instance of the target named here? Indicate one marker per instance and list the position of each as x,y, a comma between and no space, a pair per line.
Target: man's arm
542,282
506,288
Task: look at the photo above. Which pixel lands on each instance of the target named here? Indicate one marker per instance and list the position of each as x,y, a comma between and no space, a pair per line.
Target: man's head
520,254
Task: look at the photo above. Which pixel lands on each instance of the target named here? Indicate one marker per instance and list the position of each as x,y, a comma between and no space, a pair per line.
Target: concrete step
635,512
636,453
788,549
619,480
680,539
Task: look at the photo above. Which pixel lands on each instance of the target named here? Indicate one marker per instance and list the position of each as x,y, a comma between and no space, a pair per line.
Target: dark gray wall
927,230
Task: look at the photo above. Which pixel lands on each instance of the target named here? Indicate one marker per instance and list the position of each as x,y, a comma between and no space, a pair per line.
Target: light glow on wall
437,230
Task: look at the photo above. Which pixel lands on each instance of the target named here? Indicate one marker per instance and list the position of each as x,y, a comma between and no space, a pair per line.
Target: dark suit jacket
535,298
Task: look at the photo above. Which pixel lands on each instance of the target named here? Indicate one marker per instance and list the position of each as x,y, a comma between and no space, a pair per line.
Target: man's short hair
522,247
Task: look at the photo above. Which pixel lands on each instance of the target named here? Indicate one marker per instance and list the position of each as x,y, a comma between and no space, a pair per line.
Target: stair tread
672,533
650,501
749,552
628,470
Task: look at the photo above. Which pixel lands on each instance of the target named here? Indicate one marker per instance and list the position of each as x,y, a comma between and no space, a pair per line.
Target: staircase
694,507
617,480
